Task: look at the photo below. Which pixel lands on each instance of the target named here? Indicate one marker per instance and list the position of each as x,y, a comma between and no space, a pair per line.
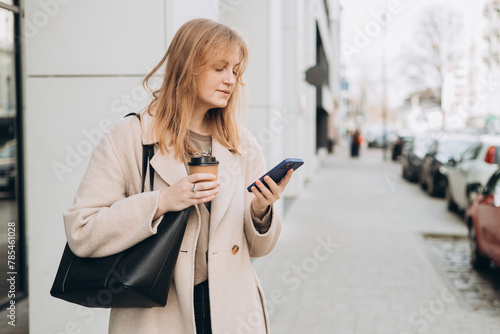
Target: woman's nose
230,79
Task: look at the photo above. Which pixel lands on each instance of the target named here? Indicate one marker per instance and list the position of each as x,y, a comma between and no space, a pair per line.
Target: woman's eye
219,69
235,73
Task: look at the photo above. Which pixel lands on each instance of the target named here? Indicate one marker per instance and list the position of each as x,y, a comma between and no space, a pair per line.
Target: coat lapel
168,167
165,164
229,173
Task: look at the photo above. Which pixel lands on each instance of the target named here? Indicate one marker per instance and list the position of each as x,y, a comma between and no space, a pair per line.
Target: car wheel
472,193
405,173
478,260
471,196
421,181
413,176
452,206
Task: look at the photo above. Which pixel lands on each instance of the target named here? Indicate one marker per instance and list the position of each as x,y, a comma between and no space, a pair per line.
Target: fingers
278,188
200,186
206,186
197,177
275,190
199,194
208,198
259,195
268,194
205,191
284,181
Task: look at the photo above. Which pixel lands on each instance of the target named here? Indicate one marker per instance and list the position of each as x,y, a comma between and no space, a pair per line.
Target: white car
471,171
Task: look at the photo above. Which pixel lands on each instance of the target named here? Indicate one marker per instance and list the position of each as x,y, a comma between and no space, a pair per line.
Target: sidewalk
351,258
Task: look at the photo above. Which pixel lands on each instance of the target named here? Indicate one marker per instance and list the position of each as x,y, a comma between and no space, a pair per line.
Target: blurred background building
12,198
70,69
491,57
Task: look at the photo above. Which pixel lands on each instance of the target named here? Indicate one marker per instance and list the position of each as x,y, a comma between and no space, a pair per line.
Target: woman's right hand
181,195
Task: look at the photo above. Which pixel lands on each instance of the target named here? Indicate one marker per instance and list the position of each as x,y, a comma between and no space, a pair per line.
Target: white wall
263,34
181,11
84,66
260,23
294,94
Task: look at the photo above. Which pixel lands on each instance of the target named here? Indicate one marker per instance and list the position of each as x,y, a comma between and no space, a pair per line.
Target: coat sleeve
104,219
259,243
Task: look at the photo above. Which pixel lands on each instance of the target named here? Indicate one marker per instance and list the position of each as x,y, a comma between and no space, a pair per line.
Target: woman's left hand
266,197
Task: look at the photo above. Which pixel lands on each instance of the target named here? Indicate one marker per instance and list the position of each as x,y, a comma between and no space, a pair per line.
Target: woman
214,288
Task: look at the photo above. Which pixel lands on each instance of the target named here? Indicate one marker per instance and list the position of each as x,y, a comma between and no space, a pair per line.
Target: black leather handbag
137,277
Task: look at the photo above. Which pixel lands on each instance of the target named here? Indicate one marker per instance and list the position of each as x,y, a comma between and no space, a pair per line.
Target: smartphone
278,172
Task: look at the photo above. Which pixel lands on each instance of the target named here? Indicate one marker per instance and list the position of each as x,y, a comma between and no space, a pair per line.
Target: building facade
13,285
84,65
490,96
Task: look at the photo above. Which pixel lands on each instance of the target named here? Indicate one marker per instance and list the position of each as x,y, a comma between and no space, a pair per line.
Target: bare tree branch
433,50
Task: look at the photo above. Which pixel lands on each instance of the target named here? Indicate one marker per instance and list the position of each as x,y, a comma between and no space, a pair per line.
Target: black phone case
279,171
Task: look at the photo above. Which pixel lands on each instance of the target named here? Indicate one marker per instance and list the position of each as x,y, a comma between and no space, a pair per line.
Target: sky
362,56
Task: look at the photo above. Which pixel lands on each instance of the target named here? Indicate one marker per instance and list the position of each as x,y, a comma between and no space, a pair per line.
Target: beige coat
111,214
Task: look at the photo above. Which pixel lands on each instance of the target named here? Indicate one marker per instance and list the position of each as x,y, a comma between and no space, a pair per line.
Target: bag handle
147,154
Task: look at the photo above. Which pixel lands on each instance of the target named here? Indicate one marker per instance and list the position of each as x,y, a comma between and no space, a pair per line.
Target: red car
483,220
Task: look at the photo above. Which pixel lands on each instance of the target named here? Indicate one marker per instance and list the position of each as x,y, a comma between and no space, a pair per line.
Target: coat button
236,248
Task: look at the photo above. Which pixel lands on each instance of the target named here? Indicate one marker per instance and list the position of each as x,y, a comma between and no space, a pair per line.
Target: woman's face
216,83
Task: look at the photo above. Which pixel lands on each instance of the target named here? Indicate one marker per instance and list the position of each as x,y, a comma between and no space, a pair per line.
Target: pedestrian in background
355,143
215,288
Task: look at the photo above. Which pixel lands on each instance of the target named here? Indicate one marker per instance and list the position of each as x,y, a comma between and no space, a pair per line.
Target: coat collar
172,170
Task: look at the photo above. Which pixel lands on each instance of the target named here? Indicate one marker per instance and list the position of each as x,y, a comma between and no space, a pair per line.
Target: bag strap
147,154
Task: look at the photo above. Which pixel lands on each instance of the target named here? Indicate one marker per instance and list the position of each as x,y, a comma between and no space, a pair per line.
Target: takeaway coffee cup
208,165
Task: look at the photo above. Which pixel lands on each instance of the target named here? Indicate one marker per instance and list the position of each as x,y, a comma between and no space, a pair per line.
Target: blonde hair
172,105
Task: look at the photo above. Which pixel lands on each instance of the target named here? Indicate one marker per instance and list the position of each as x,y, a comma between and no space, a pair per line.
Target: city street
364,251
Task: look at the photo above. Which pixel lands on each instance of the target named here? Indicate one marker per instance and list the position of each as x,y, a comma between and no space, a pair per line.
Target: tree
435,49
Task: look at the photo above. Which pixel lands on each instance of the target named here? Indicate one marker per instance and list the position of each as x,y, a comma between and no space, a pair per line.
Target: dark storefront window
12,252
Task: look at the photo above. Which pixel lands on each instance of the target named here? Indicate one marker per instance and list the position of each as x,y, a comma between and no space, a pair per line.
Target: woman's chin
220,105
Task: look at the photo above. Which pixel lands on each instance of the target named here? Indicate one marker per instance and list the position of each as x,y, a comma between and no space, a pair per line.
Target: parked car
8,166
446,149
483,221
412,159
473,170
402,143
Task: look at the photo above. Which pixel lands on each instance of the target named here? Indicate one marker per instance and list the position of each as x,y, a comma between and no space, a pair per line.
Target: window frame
474,150
21,249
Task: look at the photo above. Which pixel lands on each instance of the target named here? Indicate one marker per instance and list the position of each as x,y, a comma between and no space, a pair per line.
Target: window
11,195
472,152
453,147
